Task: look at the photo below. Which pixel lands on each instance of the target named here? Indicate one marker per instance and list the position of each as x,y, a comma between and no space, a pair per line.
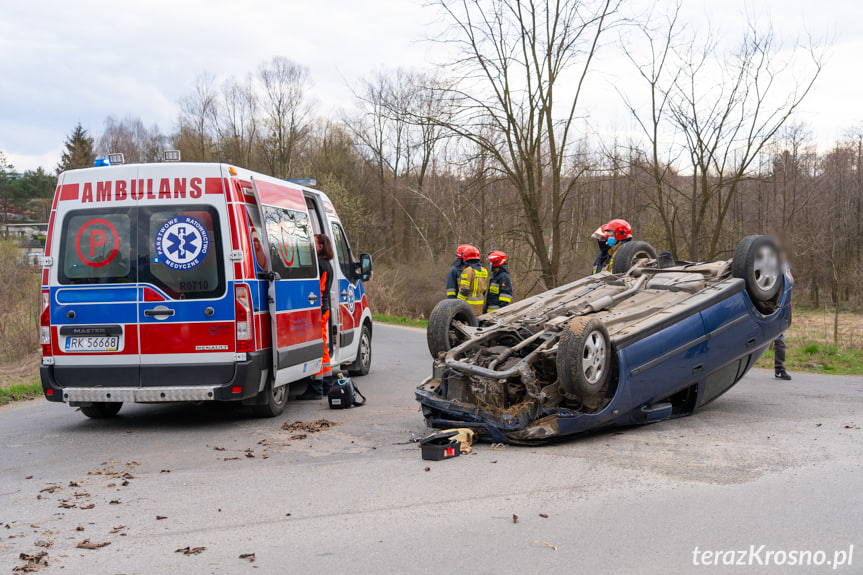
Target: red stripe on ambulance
162,338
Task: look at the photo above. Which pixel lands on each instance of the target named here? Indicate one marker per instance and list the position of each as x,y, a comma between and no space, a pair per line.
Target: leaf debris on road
249,556
87,544
310,427
190,550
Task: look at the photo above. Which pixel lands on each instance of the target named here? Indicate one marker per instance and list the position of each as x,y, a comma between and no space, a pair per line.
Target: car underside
655,342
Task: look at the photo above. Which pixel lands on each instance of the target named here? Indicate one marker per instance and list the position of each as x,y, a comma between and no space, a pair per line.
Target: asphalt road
773,464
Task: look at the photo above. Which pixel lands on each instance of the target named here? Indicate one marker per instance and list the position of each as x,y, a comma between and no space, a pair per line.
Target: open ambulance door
294,287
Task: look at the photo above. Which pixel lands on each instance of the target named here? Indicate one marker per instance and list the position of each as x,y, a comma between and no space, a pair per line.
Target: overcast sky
63,62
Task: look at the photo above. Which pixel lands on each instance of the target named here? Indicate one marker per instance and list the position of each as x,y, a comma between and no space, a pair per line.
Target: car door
294,292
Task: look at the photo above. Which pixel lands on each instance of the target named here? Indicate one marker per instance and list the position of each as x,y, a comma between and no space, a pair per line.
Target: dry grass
810,325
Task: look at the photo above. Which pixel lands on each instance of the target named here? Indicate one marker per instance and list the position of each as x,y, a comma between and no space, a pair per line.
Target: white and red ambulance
193,282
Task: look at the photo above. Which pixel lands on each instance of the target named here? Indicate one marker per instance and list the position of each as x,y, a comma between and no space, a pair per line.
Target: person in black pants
779,348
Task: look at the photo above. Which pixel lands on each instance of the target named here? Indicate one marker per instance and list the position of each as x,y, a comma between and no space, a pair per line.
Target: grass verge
395,320
20,391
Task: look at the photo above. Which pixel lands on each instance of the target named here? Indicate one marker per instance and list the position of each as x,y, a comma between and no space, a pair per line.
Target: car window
95,247
343,251
182,248
289,234
253,220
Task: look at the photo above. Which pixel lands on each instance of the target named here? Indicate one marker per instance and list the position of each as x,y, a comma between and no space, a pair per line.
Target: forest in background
494,150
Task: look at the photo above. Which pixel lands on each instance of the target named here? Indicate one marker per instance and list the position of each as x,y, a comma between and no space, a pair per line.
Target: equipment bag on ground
343,394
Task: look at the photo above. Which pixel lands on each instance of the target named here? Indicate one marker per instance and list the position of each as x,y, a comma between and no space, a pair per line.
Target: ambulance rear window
95,247
176,248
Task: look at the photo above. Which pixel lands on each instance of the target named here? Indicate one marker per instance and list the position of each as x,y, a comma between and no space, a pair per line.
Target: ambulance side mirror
364,268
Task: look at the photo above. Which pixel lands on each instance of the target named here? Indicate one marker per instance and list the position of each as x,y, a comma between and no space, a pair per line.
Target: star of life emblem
182,243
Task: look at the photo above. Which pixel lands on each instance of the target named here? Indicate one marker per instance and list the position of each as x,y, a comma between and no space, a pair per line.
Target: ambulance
192,282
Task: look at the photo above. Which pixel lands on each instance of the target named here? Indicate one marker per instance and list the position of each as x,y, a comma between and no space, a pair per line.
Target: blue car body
671,354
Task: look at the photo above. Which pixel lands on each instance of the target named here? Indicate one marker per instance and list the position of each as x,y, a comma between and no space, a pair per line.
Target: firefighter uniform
499,289
452,278
472,285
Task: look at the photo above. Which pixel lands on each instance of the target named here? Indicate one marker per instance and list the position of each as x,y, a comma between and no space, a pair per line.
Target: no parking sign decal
182,243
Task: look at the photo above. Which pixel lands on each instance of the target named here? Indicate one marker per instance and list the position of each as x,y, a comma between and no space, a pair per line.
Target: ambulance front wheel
363,363
271,401
101,409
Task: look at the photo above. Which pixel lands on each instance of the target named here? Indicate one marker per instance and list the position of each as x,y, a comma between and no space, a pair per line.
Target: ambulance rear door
294,287
93,276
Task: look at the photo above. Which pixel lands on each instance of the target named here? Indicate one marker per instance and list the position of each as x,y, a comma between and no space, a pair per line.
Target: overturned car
653,340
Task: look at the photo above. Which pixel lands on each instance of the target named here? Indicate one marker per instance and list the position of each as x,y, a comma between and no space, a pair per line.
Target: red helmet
620,229
497,258
601,233
470,253
459,252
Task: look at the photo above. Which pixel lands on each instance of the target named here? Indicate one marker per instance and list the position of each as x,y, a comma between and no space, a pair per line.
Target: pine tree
79,151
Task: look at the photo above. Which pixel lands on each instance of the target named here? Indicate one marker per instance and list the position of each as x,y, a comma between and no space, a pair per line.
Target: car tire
440,333
363,362
584,358
271,401
757,261
102,409
629,253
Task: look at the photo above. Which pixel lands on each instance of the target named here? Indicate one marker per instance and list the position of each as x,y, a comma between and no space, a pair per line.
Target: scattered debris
249,556
117,529
544,515
90,506
29,477
190,550
514,518
74,484
43,543
49,489
230,459
87,544
549,545
114,502
311,427
160,517
32,562
165,471
249,452
298,436
287,514
218,448
79,528
428,469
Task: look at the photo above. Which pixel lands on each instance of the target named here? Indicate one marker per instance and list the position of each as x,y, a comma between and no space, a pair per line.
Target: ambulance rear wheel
363,363
271,401
101,409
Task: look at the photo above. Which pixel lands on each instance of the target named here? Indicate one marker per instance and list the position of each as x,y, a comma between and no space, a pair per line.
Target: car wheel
271,401
757,262
363,363
629,253
441,334
102,409
584,358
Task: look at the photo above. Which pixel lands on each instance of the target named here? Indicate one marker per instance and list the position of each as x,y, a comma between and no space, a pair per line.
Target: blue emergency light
102,162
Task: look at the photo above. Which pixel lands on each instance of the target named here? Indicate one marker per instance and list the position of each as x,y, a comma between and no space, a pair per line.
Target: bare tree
198,114
237,122
522,62
131,138
723,110
286,113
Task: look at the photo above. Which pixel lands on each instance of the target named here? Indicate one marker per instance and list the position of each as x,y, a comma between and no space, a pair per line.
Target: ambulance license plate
91,343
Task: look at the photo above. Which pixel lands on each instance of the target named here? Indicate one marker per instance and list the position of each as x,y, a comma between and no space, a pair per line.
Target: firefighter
499,286
618,232
473,281
455,272
320,384
602,258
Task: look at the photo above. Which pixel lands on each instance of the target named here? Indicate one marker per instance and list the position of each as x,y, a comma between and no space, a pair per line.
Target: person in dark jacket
602,258
455,272
499,286
320,384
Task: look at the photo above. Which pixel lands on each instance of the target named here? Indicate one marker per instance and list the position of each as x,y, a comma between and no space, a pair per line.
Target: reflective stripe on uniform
505,298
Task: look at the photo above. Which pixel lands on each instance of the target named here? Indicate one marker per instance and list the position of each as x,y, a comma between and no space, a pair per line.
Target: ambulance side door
350,296
294,288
